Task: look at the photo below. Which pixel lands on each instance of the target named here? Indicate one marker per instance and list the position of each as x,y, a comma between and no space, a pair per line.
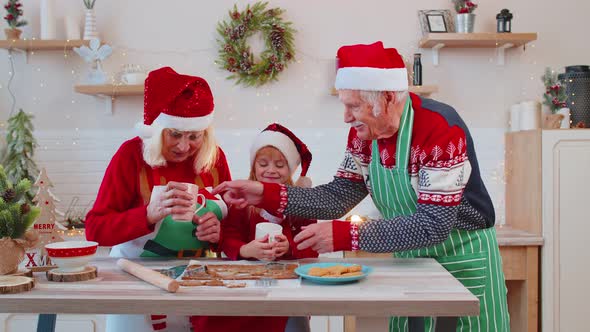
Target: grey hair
373,98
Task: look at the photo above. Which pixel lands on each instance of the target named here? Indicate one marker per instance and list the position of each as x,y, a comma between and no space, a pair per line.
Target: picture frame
423,16
436,23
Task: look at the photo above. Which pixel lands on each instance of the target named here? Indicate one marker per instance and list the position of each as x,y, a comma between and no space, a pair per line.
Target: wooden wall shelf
112,90
45,45
108,92
476,40
422,90
501,41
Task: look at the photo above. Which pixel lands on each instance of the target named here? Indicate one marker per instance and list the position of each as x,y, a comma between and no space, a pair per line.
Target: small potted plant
13,12
465,16
555,98
16,217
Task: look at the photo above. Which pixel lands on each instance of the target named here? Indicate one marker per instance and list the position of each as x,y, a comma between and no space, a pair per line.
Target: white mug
133,78
269,228
193,189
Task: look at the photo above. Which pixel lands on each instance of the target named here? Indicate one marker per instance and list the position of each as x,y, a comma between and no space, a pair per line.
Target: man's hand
174,200
259,249
208,227
317,237
240,193
281,245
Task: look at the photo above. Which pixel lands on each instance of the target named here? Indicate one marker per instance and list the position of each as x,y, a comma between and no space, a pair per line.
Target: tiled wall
75,161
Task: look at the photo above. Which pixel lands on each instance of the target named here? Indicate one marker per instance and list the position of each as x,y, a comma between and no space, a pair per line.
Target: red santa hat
294,150
371,68
173,100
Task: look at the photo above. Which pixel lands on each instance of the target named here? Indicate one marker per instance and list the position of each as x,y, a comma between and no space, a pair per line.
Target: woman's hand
174,200
208,227
281,245
259,249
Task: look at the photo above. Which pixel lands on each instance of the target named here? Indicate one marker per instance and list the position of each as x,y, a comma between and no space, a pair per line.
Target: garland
235,55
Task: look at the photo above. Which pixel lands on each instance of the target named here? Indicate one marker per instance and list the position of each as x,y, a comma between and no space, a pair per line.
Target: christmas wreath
235,55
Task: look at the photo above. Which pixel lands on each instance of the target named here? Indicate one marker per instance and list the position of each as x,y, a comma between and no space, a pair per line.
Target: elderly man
416,159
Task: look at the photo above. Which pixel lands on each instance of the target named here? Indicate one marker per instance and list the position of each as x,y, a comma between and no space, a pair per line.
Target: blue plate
304,270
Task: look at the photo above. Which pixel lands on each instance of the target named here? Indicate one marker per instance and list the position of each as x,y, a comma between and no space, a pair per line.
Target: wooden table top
508,236
417,287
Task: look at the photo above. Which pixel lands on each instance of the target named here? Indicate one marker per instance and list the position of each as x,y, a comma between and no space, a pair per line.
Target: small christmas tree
46,222
554,96
20,148
16,215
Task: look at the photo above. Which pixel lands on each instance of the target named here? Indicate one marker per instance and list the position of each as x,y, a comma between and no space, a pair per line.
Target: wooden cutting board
15,284
89,273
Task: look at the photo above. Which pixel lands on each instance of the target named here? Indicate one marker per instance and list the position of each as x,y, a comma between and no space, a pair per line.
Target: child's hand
281,246
259,249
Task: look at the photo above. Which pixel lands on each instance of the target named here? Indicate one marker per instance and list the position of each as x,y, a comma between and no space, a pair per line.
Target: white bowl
71,256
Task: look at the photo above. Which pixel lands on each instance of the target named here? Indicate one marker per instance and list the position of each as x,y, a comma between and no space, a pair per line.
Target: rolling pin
148,275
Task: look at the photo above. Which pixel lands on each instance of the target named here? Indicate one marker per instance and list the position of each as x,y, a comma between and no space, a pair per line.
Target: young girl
274,156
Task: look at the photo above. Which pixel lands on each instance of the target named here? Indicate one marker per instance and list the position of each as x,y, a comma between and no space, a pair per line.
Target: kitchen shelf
501,41
422,90
108,92
41,45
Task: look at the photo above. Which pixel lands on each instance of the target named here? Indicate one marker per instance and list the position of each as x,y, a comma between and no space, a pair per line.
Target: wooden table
417,287
520,262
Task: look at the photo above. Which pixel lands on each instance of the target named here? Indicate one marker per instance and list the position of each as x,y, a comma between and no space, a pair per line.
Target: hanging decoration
235,55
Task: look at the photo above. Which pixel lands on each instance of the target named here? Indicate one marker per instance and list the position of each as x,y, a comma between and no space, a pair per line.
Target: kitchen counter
417,287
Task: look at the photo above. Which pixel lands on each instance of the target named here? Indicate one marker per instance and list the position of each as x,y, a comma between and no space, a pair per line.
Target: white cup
270,229
193,189
133,78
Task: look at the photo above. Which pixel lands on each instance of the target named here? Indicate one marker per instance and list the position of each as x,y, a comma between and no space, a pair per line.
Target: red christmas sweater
120,211
239,228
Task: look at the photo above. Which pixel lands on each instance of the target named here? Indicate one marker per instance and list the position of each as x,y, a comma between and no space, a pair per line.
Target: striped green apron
472,257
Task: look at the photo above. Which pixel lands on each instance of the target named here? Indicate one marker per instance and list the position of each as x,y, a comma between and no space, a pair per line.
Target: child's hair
268,150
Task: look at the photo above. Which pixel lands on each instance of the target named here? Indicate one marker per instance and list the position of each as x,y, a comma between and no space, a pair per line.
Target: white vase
47,18
72,27
565,123
90,31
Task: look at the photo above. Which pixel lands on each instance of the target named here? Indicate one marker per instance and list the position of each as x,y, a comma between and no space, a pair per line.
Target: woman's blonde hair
267,150
205,158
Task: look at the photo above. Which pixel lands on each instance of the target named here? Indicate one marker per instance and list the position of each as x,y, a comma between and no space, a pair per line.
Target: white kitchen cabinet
548,191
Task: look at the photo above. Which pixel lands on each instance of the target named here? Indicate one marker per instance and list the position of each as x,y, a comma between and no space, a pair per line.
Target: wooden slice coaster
15,284
23,273
89,273
43,268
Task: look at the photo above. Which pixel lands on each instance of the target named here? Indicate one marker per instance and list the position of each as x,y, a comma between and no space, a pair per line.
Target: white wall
181,33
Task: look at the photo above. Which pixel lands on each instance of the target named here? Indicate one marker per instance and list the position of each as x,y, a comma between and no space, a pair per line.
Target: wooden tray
240,271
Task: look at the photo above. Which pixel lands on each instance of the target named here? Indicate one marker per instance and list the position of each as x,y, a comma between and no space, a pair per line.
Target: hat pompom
303,182
144,131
